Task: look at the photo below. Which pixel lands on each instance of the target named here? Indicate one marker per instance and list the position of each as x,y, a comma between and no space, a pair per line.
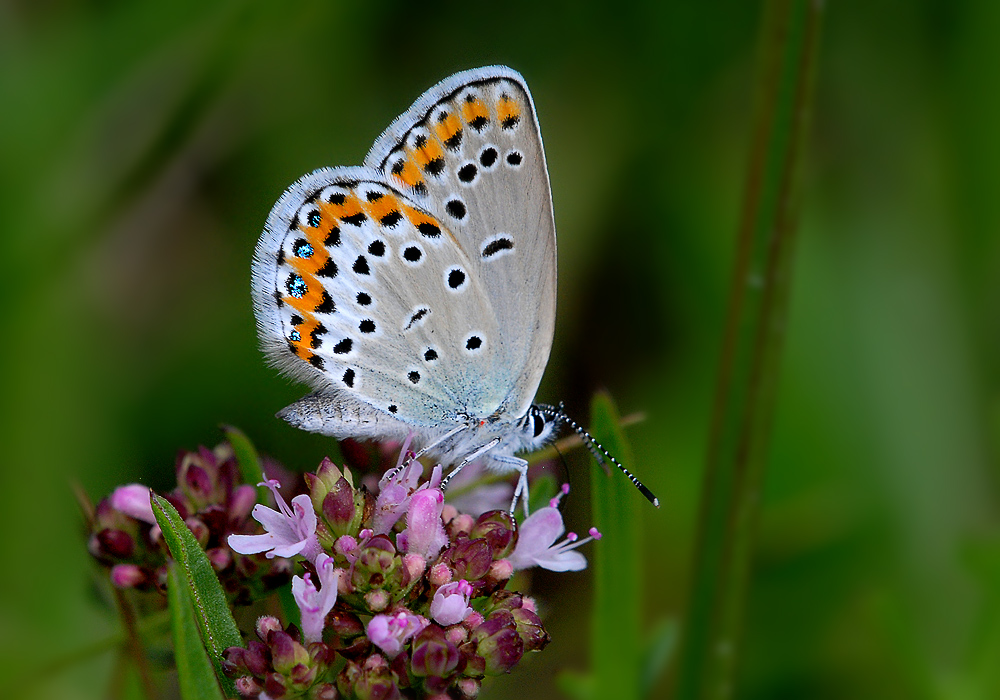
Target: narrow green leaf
218,629
290,609
247,458
660,650
194,669
616,650
751,352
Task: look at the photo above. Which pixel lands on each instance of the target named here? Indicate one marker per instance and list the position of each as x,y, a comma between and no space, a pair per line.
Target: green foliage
616,643
194,669
144,143
211,609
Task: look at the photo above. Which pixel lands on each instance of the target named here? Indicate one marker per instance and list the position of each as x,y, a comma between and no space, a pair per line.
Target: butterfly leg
419,453
485,448
521,491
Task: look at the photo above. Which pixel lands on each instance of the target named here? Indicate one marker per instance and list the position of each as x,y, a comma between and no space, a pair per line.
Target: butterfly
416,294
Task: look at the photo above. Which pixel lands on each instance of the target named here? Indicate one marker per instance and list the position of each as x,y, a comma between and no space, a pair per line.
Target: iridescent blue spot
297,286
303,250
295,336
314,218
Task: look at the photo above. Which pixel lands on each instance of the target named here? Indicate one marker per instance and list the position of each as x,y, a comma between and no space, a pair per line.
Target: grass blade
215,621
754,333
616,644
194,669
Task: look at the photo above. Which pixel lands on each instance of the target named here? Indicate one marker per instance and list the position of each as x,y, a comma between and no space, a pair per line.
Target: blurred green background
142,145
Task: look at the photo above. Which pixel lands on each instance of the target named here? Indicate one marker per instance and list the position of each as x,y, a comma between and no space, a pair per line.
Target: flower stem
749,371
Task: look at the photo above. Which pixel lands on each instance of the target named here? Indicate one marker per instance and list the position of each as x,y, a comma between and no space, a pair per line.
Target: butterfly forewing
423,284
470,150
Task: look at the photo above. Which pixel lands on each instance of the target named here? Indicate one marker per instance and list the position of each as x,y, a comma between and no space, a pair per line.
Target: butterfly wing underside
420,287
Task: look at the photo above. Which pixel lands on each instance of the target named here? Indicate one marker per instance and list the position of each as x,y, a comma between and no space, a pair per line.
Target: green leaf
194,669
248,459
218,629
577,685
543,490
751,353
616,650
661,648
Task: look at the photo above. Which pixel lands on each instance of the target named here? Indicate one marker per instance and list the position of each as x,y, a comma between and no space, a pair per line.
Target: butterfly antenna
597,449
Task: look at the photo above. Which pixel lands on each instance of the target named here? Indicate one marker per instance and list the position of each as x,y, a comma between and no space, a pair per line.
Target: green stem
749,371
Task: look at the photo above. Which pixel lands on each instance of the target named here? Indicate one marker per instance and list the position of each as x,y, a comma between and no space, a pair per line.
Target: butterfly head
539,426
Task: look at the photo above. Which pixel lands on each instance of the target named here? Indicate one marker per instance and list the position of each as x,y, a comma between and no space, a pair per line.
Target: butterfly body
416,293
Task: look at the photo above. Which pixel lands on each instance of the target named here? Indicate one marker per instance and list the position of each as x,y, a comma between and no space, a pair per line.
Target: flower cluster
214,503
402,595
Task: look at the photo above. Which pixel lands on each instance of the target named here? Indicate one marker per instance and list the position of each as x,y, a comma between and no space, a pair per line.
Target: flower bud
469,688
344,624
497,528
498,643
257,658
372,681
128,576
439,575
113,544
461,524
323,691
322,481
339,508
286,653
413,565
199,529
530,629
500,572
378,565
247,687
241,502
219,557
133,501
196,482
469,559
433,654
377,600
267,624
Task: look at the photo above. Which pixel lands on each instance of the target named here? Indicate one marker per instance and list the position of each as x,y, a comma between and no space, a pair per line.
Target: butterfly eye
537,424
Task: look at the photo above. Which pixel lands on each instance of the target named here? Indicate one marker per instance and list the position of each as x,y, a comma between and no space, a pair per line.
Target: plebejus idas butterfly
417,293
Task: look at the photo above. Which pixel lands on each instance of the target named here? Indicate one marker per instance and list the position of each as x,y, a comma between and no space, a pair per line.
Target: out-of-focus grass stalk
616,646
749,370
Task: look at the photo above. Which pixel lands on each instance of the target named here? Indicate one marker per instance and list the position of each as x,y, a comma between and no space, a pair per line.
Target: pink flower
394,495
451,602
290,531
133,501
315,604
536,541
424,533
390,632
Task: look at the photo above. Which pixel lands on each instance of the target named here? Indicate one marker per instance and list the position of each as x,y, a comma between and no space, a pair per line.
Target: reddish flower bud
433,654
469,688
496,527
498,643
339,508
113,544
530,629
128,576
469,559
247,687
